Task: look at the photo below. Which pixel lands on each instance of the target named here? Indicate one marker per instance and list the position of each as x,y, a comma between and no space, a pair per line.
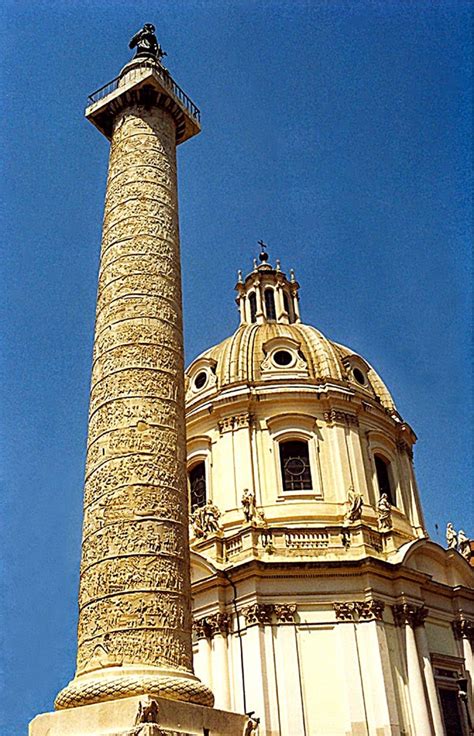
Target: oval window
201,379
359,376
283,357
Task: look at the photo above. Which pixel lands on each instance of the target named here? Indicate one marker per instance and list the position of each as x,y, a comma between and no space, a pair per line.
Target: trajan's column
134,634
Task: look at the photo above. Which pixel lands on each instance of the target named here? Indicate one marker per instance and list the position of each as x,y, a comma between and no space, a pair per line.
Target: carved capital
242,420
236,422
199,628
209,626
344,611
218,623
371,610
407,614
285,613
334,416
405,447
259,613
226,424
463,629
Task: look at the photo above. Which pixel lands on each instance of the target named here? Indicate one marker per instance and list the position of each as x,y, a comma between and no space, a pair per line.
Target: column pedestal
117,718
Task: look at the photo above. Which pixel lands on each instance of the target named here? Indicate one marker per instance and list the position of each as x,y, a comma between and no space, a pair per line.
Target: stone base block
119,718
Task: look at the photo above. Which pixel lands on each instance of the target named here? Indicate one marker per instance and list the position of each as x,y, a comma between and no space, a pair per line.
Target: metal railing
165,77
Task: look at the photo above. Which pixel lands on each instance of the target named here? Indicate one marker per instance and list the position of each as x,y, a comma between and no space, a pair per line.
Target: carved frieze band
371,610
340,417
408,614
463,629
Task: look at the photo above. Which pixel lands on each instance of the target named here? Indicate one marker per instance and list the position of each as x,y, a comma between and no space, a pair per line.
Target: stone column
219,626
134,630
424,652
409,617
464,632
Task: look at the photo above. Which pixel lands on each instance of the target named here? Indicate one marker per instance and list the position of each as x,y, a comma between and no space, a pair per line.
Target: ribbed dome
241,359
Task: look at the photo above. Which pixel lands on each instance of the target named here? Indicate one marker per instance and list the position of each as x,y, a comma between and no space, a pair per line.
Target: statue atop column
146,43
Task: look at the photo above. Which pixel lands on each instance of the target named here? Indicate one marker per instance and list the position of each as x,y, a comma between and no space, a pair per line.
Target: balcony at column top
143,82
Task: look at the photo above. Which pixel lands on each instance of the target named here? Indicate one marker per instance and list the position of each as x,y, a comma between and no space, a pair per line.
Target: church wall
245,455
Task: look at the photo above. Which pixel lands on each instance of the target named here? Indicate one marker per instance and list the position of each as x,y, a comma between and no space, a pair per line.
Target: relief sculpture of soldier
146,43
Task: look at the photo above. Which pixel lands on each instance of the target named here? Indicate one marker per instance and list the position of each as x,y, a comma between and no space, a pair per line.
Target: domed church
319,602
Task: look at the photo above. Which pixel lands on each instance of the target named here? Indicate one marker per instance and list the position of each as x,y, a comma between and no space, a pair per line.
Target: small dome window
359,376
253,307
270,304
201,379
283,358
286,303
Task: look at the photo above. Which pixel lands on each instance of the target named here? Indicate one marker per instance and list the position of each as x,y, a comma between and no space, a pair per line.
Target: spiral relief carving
134,601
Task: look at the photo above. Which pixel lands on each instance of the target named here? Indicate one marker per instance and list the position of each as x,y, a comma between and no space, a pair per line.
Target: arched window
253,307
197,485
383,478
270,304
286,303
295,467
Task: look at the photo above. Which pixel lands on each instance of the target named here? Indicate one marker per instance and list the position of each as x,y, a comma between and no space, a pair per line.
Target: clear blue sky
336,131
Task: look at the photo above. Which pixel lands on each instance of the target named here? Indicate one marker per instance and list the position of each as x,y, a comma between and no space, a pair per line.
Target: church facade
319,602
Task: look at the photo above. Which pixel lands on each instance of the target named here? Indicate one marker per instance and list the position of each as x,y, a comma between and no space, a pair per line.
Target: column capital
258,613
285,613
371,610
208,626
409,614
463,629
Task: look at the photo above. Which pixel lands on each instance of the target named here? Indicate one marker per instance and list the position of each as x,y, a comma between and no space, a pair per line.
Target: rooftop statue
146,43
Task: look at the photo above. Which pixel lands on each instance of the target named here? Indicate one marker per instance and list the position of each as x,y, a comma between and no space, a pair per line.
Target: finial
278,265
239,277
255,264
292,276
262,255
146,43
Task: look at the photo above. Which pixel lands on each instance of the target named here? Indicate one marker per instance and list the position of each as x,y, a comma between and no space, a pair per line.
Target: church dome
271,344
287,352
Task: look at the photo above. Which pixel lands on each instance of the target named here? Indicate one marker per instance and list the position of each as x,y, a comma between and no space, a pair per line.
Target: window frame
392,486
300,428
198,450
197,463
270,303
252,297
307,462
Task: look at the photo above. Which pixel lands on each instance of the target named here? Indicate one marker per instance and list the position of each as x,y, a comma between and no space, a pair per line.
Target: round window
359,376
201,379
295,466
283,357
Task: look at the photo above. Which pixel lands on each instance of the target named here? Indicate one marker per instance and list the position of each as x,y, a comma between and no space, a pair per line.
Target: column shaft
134,599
